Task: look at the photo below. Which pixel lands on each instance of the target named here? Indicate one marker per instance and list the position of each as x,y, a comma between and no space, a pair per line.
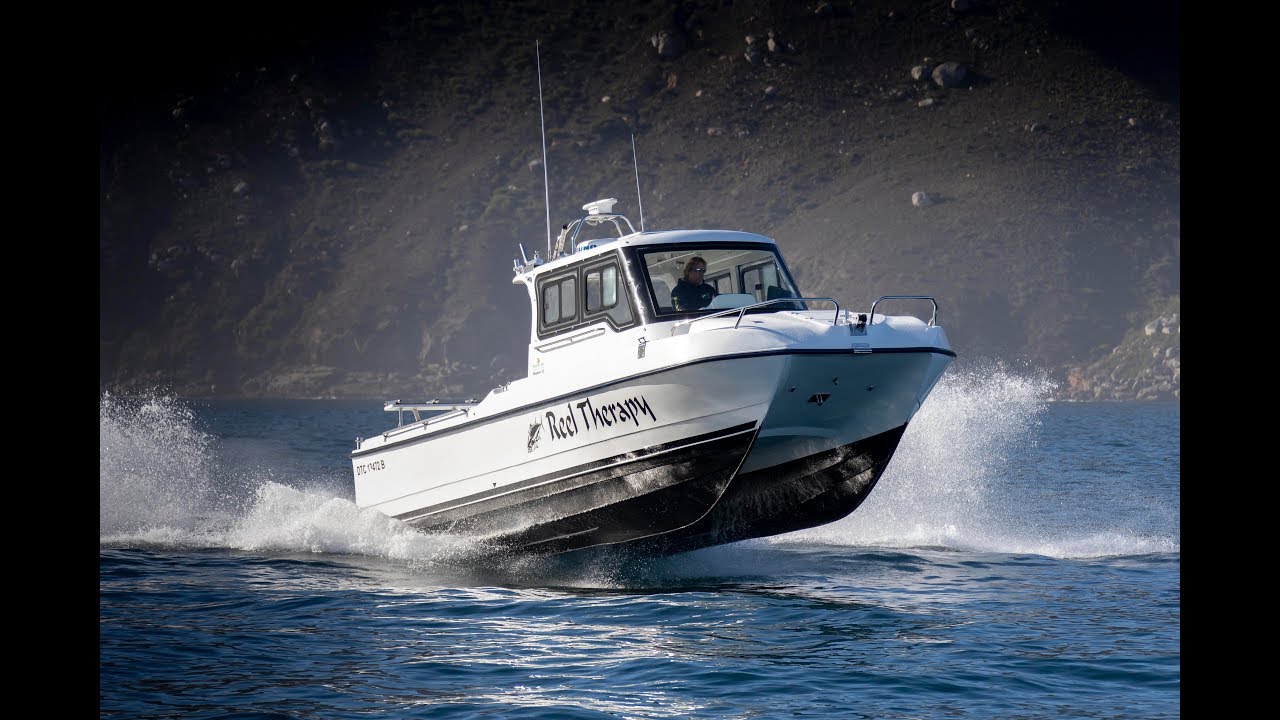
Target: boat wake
956,480
162,484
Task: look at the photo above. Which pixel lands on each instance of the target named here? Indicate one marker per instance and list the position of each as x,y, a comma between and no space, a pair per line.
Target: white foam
950,482
160,484
153,464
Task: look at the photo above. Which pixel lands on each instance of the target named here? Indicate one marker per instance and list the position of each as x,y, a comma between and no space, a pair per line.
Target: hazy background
302,203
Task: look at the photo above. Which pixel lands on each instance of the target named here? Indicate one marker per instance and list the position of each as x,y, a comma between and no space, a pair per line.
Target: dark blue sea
1019,559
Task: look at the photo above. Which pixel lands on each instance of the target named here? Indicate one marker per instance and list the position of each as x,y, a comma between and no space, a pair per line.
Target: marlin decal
535,434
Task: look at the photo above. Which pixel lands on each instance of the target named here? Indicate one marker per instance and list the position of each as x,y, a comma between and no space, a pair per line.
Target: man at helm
691,293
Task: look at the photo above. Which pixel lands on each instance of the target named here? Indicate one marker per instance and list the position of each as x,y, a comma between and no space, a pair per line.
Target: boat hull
800,494
771,443
615,500
833,426
622,462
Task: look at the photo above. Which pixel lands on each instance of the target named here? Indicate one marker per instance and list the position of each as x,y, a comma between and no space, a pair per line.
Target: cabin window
606,293
581,295
732,268
722,283
595,295
559,301
756,280
765,282
609,282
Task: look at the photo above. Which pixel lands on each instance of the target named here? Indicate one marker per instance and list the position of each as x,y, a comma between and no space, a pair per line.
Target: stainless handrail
743,310
401,427
453,406
871,320
575,228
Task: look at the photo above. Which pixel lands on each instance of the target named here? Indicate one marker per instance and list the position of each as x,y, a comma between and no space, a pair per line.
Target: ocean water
1019,559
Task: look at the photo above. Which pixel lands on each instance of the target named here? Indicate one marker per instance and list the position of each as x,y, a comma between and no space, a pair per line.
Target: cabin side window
606,294
765,282
595,291
756,280
559,302
585,294
723,283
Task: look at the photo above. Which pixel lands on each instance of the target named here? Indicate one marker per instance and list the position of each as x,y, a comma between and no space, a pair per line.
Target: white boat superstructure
657,428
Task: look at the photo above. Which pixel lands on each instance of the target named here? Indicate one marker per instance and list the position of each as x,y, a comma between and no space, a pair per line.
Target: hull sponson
617,500
800,494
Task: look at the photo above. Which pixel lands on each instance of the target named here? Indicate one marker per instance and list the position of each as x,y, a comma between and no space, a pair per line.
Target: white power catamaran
662,430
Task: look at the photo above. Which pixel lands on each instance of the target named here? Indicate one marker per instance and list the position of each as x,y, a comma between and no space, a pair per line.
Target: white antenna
636,164
543,123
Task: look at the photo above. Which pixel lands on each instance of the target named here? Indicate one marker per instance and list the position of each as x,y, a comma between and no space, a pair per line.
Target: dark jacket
688,296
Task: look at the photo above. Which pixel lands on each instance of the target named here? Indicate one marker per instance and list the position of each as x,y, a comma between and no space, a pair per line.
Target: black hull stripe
584,468
652,514
469,424
787,497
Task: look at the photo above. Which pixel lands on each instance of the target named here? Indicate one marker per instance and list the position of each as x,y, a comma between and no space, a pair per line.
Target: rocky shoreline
1146,365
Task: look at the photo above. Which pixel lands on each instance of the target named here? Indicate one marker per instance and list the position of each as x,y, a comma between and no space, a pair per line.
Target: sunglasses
701,270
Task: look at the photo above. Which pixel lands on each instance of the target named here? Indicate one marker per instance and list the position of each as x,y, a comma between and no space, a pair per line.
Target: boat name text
633,409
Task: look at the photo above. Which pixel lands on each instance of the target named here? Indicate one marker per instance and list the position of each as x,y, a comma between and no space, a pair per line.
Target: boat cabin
603,271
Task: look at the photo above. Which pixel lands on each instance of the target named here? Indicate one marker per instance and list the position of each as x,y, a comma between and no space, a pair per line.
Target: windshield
729,277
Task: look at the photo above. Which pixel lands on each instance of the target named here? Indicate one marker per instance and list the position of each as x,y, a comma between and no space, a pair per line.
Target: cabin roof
651,237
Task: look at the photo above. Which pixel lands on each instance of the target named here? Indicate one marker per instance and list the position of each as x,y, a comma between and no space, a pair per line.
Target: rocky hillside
311,204
1146,365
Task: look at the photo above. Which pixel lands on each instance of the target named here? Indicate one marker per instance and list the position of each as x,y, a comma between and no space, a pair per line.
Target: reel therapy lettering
566,425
